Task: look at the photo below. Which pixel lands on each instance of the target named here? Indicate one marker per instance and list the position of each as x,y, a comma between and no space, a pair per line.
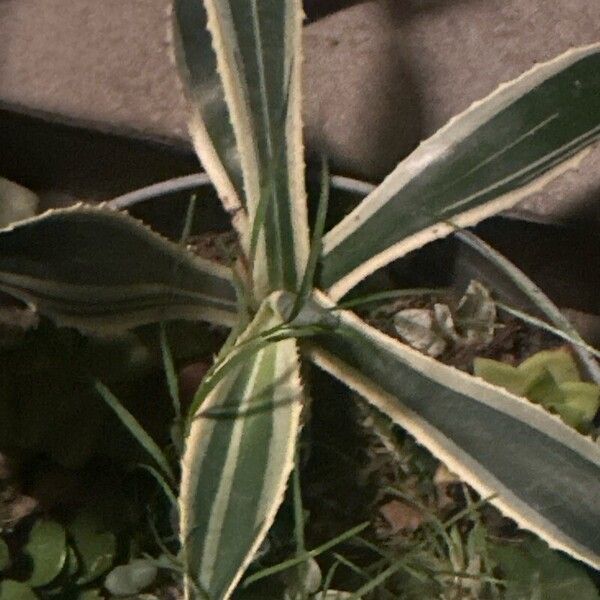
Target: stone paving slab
379,75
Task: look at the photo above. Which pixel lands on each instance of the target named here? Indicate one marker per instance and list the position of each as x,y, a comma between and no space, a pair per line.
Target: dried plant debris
432,330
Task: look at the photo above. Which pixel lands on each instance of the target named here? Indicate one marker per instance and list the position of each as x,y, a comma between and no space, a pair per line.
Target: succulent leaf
549,378
98,269
483,161
256,46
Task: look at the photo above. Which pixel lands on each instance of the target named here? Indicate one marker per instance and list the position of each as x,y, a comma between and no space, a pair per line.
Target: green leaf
47,551
98,269
531,568
16,202
484,161
536,470
140,434
209,121
95,547
508,280
257,49
238,456
132,578
15,590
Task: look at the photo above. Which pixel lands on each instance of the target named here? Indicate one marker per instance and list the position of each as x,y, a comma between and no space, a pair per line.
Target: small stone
401,517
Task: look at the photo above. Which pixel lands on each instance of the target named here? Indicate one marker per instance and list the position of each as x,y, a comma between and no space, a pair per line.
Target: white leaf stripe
293,134
546,475
528,172
480,163
231,70
235,469
291,391
90,307
224,490
87,296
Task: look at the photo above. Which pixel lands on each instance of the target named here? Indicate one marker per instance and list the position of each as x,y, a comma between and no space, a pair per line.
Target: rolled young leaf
257,50
238,457
536,470
16,202
483,161
98,269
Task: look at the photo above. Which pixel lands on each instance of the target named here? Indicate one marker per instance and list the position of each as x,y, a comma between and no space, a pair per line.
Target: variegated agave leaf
238,457
209,121
537,470
16,202
98,269
257,50
484,161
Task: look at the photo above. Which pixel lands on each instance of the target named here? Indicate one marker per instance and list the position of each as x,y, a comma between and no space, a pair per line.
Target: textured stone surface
379,75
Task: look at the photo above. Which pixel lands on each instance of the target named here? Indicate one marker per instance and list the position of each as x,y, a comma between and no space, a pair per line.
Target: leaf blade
97,269
209,121
546,479
236,469
483,161
136,430
16,202
257,48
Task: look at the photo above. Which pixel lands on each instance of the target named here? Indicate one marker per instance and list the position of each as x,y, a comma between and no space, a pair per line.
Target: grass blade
293,562
136,430
316,243
575,341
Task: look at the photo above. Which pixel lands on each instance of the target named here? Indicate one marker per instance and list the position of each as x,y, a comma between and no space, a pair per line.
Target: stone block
379,75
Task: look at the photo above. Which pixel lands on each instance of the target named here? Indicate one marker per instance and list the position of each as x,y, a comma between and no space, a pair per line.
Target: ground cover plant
283,294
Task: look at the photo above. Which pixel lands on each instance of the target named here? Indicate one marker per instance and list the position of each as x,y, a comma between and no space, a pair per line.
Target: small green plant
550,378
100,270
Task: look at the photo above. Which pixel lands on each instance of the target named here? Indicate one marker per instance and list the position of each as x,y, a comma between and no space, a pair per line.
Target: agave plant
96,268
